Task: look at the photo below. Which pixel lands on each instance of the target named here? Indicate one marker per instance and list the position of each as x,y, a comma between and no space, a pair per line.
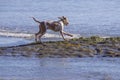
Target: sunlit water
59,68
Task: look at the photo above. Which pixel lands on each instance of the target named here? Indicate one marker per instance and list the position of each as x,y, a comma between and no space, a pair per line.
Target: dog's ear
63,17
59,17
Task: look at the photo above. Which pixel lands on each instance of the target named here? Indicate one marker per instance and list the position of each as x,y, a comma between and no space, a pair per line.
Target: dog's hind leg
36,36
42,31
40,35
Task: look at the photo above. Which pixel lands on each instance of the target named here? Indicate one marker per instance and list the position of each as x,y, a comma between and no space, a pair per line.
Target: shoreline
18,39
76,47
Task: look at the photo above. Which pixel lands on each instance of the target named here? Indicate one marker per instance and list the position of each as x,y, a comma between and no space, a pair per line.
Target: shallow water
11,41
59,68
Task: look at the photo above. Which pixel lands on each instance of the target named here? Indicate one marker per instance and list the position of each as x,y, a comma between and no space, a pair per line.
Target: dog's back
55,26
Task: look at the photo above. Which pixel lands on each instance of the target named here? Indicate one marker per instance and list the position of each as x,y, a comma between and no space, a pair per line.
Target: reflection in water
59,68
50,62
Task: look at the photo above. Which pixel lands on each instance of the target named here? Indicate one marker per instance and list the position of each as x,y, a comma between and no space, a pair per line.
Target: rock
110,54
98,50
117,54
78,47
118,49
1,52
96,39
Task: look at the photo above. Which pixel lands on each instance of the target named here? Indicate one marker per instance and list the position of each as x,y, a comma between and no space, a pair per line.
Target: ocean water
21,68
86,17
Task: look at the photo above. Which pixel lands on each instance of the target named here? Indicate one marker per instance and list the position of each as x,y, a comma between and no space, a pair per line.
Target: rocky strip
77,47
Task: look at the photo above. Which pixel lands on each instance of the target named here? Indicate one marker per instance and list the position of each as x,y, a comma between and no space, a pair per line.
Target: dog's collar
61,22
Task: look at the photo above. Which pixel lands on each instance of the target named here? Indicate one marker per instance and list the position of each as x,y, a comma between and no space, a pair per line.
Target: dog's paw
71,35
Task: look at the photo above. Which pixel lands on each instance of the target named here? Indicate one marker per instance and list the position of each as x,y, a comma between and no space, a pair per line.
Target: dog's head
64,20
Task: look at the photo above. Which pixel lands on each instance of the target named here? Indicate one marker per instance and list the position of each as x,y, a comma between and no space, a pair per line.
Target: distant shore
77,47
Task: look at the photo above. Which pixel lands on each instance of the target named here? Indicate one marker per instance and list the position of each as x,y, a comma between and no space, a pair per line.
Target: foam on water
28,35
15,38
19,35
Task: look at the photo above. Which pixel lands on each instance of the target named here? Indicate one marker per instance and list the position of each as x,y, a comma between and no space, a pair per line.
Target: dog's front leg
62,35
67,34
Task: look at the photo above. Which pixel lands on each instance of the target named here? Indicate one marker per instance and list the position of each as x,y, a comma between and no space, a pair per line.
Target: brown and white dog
56,26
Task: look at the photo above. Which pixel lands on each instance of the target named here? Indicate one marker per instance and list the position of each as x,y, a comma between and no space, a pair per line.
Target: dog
57,26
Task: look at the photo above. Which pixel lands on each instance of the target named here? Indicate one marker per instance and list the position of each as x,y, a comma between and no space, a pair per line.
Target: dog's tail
36,20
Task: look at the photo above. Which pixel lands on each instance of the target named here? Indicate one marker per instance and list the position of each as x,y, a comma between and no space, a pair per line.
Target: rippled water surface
59,68
87,17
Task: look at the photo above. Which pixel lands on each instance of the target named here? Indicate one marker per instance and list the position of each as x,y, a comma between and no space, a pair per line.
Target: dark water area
26,68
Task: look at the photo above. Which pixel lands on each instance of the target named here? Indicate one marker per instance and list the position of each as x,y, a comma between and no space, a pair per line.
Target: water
87,17
59,68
